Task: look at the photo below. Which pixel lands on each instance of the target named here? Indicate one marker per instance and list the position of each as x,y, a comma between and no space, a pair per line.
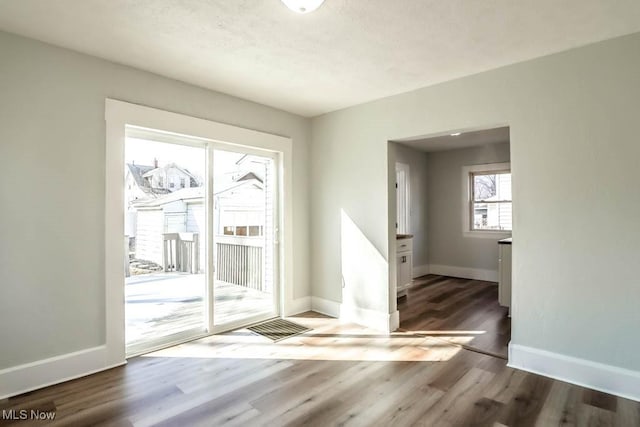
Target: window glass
491,204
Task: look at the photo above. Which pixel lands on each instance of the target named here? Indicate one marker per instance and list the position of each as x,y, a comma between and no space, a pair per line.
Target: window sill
487,234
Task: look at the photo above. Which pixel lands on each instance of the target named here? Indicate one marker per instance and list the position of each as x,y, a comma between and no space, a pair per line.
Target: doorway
200,237
449,270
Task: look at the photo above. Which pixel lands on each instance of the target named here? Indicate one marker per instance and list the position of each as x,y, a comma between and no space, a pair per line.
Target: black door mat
278,329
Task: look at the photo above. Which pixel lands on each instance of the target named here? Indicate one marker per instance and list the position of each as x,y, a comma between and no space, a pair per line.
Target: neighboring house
170,177
144,182
239,209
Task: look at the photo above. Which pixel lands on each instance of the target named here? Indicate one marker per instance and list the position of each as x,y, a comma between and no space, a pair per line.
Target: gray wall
52,187
574,159
417,161
447,244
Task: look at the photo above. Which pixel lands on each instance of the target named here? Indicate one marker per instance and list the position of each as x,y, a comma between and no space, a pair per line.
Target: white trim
373,319
420,270
119,114
466,199
403,198
486,234
325,306
297,306
585,373
464,272
394,321
43,373
230,326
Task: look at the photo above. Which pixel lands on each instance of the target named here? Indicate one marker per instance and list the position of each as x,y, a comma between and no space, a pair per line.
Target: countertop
505,241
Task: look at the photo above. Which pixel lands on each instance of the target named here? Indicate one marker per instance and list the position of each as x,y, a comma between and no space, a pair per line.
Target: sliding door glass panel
244,229
165,243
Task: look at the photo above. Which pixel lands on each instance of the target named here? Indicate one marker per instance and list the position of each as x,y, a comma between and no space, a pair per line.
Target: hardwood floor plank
338,374
600,400
452,408
458,305
524,408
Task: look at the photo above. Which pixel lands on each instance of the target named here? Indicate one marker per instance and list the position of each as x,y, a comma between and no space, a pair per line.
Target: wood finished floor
467,308
336,374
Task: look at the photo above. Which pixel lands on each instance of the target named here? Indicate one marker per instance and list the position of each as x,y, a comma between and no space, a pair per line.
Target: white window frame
467,200
403,199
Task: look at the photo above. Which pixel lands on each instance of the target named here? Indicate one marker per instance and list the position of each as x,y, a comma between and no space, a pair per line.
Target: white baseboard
464,272
42,373
298,305
370,318
585,373
394,321
325,306
420,270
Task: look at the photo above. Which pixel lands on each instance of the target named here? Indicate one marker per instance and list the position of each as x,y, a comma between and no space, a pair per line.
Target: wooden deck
162,304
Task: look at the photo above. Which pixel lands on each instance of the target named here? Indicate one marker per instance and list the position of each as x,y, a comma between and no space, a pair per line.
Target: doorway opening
453,275
201,225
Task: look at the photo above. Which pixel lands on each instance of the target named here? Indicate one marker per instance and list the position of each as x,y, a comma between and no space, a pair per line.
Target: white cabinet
504,272
404,264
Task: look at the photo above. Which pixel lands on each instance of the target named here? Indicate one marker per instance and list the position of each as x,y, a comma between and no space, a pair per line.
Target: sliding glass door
200,237
245,221
165,242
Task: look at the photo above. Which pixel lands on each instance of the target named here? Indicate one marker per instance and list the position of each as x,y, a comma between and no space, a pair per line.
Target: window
160,181
183,183
488,198
242,230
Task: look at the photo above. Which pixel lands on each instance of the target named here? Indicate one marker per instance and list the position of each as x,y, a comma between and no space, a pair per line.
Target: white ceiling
345,53
453,142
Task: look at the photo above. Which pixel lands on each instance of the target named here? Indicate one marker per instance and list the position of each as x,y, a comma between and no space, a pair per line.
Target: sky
143,152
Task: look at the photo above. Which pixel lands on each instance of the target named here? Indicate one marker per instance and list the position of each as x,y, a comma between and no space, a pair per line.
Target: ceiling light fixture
303,6
456,134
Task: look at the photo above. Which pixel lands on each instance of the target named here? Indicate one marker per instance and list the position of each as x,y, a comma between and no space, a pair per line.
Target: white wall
574,157
417,161
447,244
52,136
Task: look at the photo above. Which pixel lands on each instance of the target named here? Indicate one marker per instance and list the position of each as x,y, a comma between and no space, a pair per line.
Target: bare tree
484,186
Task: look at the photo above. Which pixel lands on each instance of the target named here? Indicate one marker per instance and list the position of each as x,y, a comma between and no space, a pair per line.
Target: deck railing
181,252
240,261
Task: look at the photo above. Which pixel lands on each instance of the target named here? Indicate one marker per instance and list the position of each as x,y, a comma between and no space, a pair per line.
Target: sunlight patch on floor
328,340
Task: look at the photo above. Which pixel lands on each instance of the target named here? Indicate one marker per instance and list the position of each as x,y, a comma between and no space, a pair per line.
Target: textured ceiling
345,53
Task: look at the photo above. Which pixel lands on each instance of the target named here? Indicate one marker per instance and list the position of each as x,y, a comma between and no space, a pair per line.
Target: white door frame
118,115
403,198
